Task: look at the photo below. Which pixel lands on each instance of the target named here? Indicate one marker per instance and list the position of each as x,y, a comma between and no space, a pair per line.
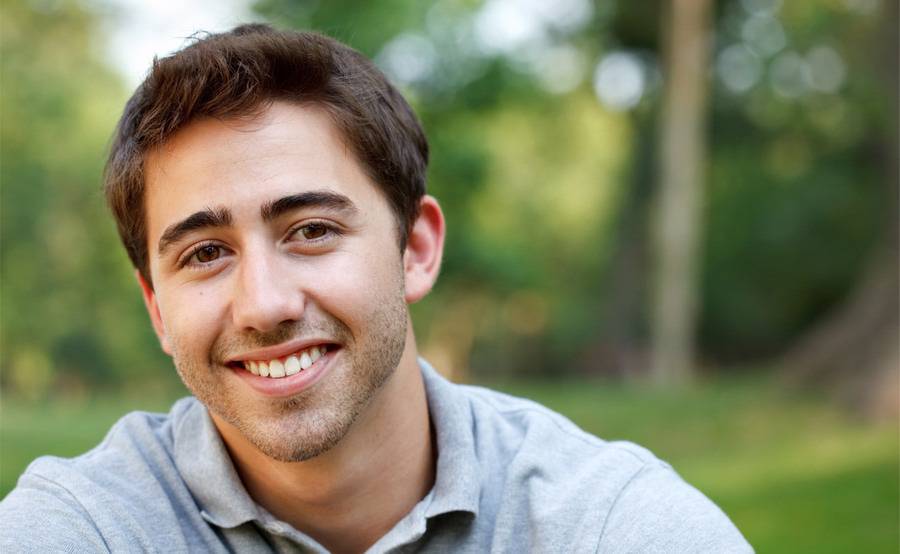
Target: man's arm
40,515
658,512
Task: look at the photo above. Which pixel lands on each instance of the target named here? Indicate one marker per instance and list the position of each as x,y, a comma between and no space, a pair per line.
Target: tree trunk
854,351
621,347
682,154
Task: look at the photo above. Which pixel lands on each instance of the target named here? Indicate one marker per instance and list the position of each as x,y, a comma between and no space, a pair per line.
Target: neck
350,496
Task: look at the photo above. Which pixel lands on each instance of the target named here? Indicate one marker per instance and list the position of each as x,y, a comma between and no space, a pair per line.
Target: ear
424,250
153,310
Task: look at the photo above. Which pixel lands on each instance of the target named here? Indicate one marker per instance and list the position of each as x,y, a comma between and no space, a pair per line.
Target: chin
298,436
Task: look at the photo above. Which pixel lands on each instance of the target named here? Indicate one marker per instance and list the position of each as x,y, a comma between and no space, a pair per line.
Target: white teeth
292,365
276,369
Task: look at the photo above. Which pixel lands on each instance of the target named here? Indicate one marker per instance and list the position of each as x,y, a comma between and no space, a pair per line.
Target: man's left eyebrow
209,217
331,201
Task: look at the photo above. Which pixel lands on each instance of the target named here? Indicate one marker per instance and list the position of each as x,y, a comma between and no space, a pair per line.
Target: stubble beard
310,423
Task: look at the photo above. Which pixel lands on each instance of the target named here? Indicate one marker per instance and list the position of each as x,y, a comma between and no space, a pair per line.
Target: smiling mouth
286,365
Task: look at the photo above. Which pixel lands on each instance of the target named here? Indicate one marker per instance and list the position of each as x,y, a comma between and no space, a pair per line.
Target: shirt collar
457,486
206,468
204,463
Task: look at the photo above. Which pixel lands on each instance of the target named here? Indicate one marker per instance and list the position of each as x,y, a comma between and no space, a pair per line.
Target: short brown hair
239,73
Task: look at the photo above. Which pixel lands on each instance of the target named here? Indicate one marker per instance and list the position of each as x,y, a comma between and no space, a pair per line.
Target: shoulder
518,426
616,495
657,511
138,444
59,502
40,515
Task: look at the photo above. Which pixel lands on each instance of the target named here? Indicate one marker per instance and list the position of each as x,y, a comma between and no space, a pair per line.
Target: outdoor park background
550,125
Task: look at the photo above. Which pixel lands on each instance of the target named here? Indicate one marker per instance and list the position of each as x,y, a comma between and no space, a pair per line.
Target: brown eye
313,231
208,254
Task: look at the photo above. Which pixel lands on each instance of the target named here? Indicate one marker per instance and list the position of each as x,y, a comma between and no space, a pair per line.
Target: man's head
261,180
236,75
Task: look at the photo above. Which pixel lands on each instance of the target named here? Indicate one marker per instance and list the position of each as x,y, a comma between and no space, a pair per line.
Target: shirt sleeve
657,511
40,515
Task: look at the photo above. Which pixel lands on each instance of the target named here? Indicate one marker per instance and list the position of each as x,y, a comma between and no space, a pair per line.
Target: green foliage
71,313
535,185
797,194
365,25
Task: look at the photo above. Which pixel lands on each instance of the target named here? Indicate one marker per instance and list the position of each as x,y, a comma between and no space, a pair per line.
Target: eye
314,237
208,253
202,255
316,231
313,231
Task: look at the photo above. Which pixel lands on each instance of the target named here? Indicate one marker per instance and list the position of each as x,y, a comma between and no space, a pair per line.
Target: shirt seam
616,501
78,502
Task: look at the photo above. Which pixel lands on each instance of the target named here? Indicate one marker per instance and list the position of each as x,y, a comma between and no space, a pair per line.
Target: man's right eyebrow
209,217
319,198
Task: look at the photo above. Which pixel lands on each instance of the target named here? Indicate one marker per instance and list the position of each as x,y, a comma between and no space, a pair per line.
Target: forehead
241,164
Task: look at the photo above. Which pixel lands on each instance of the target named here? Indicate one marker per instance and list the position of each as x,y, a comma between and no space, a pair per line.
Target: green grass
794,473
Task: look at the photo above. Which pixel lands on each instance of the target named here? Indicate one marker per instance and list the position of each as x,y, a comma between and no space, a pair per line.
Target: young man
269,188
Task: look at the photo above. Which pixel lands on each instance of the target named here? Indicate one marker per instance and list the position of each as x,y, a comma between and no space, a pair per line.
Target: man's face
271,251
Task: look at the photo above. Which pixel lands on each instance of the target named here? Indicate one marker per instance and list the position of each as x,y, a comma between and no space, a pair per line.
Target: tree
71,313
854,350
682,154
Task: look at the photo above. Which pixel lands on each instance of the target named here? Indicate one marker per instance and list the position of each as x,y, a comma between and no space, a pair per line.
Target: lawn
793,472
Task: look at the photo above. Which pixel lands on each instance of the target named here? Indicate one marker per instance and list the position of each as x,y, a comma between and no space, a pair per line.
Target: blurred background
674,222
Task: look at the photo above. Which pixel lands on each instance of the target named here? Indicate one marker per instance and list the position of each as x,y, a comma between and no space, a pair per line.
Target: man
269,188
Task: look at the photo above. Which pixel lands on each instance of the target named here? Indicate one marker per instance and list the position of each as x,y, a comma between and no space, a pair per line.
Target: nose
265,295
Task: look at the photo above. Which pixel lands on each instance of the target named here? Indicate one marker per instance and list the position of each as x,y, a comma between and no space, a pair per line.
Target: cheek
191,317
355,286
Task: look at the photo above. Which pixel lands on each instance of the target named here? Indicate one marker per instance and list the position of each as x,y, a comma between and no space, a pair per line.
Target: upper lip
279,350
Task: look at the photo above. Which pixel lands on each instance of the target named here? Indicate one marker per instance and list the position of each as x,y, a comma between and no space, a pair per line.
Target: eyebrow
210,217
317,198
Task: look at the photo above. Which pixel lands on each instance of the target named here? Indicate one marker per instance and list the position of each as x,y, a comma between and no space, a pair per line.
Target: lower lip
292,384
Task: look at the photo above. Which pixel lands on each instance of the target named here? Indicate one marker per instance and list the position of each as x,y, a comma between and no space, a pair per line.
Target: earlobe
424,250
153,311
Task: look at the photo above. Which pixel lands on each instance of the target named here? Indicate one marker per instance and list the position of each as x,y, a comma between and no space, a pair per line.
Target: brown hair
239,73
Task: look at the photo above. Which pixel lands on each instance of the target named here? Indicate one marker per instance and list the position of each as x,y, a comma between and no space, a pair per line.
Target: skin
348,456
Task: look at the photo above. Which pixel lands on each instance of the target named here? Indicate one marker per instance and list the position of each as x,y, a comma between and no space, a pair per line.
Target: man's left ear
424,250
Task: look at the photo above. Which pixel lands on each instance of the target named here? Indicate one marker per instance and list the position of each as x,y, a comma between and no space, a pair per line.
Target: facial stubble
312,422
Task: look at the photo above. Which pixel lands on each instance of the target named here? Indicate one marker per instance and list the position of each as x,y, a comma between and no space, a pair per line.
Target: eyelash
190,254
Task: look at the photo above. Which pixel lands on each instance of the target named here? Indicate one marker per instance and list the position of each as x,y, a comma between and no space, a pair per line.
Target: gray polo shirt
512,476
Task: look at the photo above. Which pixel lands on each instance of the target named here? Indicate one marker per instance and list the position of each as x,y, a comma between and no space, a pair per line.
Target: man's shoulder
519,425
588,490
139,441
129,480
